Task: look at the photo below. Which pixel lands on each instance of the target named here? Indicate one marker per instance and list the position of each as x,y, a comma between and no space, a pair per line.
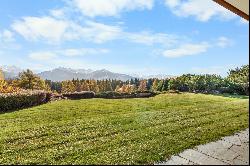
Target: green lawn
118,131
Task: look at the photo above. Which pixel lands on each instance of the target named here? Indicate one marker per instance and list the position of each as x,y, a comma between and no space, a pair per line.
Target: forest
236,82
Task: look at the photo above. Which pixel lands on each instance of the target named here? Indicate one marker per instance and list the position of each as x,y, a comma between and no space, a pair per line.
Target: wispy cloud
202,10
244,21
224,42
40,28
57,13
189,49
94,8
82,52
53,30
186,50
59,54
8,41
150,38
42,55
6,36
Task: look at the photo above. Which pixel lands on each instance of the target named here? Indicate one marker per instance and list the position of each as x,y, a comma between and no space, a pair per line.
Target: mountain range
61,74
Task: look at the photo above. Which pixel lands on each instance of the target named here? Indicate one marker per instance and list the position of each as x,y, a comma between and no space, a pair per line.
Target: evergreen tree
165,85
108,86
160,85
149,83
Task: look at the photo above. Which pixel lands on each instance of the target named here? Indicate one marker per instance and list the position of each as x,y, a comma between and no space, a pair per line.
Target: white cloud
186,50
58,13
72,52
149,38
224,42
202,10
55,30
8,41
82,52
94,8
42,55
35,28
244,21
172,3
99,32
6,36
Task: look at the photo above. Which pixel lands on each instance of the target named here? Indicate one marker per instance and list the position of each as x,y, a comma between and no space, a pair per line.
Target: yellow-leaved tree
28,80
1,75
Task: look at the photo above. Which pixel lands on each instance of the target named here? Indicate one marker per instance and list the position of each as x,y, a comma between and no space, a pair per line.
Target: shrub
80,95
22,99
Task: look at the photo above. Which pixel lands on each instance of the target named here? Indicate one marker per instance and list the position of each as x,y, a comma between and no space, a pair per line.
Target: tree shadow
19,109
232,96
9,111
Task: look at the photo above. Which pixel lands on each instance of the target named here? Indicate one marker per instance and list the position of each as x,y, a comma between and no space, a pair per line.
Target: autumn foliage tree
1,75
6,88
68,86
143,85
28,80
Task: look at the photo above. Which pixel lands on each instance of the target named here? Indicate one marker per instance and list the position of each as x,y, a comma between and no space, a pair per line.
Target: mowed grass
124,131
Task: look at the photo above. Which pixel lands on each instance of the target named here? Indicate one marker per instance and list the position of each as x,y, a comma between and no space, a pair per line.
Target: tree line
237,82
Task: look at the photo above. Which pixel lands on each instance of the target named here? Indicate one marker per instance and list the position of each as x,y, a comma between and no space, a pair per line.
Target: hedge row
24,99
79,95
116,95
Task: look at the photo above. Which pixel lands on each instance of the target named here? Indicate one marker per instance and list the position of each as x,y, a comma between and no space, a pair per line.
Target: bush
80,95
23,99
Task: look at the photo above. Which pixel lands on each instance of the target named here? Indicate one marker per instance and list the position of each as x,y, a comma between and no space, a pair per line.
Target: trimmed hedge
116,95
80,95
23,99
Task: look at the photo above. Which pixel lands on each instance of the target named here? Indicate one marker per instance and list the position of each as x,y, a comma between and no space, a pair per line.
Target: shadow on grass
232,96
19,109
10,111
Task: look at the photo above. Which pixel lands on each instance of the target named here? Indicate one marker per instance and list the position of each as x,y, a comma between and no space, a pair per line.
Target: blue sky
143,37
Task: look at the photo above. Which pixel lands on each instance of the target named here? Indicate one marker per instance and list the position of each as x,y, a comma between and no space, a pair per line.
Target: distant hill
60,74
